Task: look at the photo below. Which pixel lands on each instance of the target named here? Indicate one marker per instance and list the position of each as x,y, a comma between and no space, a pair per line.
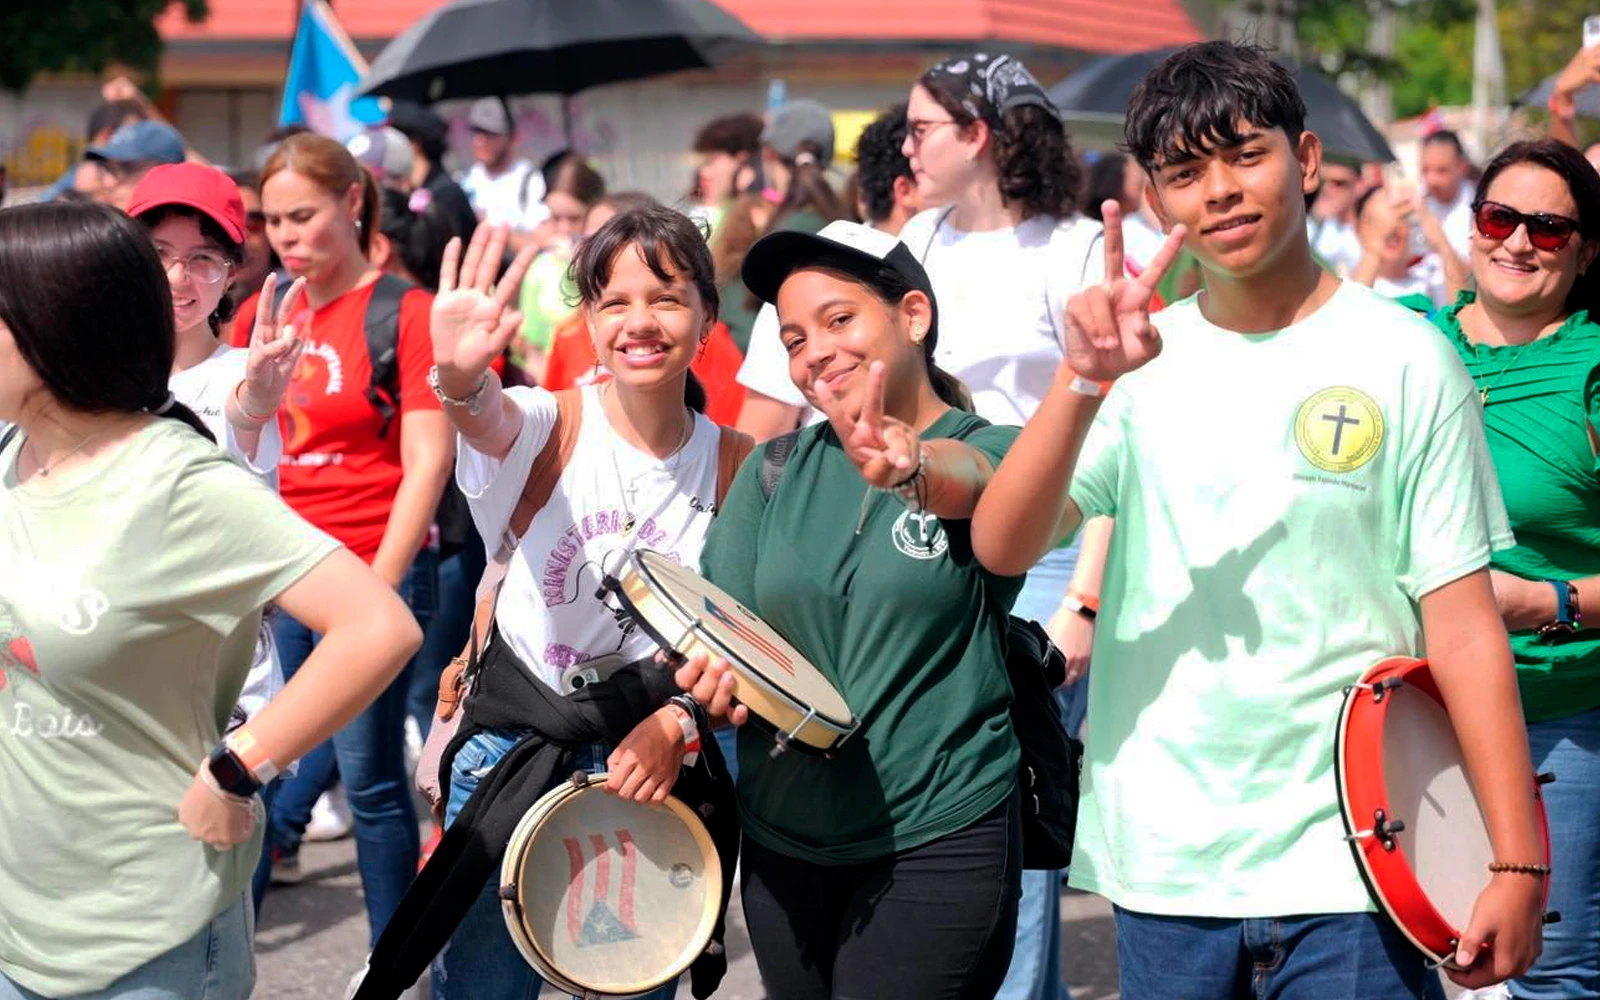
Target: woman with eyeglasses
1528,340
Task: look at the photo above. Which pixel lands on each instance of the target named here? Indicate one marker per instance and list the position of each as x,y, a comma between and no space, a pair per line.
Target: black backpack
381,325
1052,762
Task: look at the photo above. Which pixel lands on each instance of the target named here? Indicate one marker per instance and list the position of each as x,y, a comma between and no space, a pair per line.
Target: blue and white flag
324,71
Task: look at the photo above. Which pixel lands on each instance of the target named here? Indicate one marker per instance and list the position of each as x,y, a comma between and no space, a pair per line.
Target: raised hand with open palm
1109,332
472,322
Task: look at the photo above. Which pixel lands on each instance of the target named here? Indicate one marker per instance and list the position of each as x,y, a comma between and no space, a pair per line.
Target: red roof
1084,25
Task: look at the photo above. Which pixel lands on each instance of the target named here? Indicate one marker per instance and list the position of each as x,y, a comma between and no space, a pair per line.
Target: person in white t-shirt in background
1005,254
1389,264
196,220
1331,223
1446,181
505,189
1116,177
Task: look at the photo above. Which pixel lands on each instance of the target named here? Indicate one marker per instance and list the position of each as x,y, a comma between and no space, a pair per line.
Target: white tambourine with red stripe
1410,815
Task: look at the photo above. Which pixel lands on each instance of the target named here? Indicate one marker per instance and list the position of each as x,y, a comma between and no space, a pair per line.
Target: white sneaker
330,817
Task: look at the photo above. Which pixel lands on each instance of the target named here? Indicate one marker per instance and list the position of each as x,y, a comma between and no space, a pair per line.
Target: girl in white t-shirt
1004,254
196,219
643,473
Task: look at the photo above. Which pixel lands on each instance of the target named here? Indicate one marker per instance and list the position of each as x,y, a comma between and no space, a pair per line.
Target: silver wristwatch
473,403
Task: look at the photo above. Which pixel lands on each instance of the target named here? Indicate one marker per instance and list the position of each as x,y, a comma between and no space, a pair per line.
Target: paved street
313,937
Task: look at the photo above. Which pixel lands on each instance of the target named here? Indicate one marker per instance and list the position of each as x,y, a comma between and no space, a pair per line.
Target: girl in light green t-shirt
138,560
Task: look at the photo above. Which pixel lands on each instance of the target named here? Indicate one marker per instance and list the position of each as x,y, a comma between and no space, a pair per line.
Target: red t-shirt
571,362
336,472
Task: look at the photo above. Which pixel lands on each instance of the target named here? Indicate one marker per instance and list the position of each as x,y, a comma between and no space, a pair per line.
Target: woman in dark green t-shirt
892,869
1526,338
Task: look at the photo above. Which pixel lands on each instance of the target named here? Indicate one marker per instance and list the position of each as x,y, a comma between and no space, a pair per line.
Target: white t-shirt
1283,502
549,612
1456,218
514,198
1001,297
205,389
1425,279
1336,242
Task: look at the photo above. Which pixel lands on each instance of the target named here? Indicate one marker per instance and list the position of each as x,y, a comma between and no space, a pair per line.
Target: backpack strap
733,448
543,475
382,329
775,454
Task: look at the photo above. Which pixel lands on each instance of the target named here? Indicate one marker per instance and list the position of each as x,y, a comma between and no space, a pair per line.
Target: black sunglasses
1546,232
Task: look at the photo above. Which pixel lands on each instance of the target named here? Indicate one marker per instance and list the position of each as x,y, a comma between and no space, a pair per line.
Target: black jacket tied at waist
506,696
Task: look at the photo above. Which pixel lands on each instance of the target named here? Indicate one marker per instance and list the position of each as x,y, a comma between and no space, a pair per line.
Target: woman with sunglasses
1528,340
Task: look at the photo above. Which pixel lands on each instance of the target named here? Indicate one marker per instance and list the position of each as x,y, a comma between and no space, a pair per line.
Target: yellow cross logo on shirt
1339,429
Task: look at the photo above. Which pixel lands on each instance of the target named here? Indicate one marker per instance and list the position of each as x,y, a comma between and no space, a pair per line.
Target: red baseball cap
194,185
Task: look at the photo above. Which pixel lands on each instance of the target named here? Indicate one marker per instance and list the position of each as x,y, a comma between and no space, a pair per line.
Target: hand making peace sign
1109,333
886,450
275,347
472,323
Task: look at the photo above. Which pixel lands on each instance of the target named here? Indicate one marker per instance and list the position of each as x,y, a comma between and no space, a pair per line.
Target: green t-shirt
1542,400
904,622
547,299
1283,502
129,610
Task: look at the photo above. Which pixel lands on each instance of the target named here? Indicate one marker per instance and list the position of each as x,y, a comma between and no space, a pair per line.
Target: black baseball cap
848,247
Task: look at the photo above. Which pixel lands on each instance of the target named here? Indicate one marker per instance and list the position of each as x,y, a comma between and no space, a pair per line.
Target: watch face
231,774
1555,632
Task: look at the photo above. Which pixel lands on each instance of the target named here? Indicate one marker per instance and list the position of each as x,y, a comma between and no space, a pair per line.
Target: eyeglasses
917,129
206,268
1546,232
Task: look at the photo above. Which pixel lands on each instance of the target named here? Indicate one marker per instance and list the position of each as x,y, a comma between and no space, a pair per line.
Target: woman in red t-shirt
369,482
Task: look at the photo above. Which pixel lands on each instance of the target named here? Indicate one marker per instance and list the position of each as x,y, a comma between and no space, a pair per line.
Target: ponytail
371,212
949,388
694,394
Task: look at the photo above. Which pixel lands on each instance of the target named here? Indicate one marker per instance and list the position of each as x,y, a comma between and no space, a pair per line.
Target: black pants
936,922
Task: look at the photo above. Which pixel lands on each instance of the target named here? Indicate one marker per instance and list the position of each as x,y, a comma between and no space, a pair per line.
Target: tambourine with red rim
1410,815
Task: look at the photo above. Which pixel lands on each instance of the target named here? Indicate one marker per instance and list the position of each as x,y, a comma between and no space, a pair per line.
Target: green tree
1539,37
1437,66
46,36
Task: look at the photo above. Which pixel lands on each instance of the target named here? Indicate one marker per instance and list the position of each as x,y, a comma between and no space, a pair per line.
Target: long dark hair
99,333
1583,183
665,238
417,236
809,190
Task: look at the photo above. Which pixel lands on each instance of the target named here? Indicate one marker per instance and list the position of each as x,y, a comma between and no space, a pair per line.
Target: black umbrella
489,48
1099,92
1587,99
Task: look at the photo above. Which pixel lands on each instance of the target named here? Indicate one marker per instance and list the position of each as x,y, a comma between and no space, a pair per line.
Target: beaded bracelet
1515,869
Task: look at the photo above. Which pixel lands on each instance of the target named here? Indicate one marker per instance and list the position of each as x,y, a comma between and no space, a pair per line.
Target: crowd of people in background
355,247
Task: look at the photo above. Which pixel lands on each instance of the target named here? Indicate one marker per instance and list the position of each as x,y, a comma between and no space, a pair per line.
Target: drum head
755,647
1445,840
617,897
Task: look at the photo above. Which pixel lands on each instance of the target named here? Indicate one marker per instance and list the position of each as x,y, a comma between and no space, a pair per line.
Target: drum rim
536,816
735,660
1415,915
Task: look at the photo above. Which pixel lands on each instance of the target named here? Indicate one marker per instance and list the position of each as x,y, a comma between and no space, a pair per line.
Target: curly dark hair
234,252
1038,169
880,162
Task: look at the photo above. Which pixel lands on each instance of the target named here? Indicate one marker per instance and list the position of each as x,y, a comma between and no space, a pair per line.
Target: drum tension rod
1379,690
1383,828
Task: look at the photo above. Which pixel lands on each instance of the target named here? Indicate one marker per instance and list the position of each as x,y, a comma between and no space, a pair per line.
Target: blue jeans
447,634
481,962
369,755
1570,964
215,964
1035,972
262,879
1340,956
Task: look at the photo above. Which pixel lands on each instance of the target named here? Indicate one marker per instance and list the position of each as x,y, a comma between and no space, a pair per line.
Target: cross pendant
1483,396
628,525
